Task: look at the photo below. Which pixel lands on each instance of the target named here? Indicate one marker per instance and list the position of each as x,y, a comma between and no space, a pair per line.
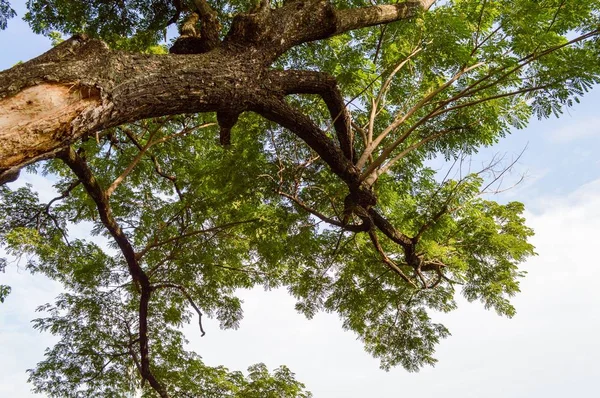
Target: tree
324,187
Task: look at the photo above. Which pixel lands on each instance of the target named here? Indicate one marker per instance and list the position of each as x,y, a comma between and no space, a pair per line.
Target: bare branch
394,125
380,95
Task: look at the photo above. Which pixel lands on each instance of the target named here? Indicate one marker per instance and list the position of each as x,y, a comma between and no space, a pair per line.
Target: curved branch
278,111
388,230
392,265
324,85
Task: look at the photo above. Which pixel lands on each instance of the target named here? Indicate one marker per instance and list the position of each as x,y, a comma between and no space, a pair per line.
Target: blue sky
549,349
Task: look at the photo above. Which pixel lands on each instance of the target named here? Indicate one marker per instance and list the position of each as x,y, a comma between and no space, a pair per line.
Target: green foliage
245,244
6,13
211,221
4,292
142,20
94,355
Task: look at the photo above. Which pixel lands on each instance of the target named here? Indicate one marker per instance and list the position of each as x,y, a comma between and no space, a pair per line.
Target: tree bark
81,86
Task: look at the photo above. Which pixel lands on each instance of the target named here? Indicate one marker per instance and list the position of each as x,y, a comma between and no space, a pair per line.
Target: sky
549,349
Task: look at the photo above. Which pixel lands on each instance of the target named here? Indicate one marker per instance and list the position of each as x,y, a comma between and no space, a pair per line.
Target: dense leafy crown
205,221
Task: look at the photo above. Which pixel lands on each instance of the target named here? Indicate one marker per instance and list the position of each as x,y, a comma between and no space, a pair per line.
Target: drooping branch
226,122
78,165
66,193
157,166
389,230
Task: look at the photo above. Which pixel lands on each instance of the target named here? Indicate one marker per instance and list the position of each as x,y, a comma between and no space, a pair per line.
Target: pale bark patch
38,120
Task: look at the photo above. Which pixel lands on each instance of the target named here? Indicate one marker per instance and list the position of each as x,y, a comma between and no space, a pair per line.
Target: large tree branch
353,18
81,86
277,110
299,21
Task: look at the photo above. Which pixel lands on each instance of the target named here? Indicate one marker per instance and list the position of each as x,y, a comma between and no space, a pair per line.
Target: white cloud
584,128
21,346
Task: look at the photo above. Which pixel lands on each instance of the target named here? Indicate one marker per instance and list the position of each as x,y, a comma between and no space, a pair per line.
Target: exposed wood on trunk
37,121
128,87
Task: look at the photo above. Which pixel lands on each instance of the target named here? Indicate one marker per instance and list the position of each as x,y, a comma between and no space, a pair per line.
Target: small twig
155,244
187,296
329,220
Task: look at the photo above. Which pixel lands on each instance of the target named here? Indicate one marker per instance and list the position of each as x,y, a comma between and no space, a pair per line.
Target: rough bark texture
230,76
108,88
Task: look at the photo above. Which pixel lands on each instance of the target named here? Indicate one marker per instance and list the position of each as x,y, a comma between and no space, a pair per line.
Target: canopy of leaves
206,221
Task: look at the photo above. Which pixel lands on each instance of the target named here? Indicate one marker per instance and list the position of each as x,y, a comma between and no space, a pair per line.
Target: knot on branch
194,39
189,45
362,196
9,175
226,122
252,26
358,202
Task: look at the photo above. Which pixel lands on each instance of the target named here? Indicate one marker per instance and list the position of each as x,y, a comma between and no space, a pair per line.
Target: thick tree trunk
81,87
